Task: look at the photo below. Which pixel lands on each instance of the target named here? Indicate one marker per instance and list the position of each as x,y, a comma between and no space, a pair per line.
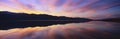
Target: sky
95,9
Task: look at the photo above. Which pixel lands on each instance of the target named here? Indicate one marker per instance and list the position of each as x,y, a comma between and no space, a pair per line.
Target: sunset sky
69,8
44,23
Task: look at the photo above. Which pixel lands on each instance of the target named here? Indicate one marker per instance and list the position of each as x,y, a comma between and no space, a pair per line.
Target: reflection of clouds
72,8
90,30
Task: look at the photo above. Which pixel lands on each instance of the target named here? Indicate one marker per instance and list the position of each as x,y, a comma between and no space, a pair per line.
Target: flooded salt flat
87,30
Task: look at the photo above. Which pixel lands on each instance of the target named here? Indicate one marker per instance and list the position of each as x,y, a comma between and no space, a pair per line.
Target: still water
87,30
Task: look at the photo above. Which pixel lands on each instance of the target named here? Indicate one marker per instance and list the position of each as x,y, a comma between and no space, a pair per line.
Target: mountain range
11,16
9,20
110,20
6,16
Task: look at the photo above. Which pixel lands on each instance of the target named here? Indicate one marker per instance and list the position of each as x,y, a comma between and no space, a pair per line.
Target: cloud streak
70,8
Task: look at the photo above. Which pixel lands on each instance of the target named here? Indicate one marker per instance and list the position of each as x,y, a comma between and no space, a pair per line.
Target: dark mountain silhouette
110,20
10,16
9,20
22,24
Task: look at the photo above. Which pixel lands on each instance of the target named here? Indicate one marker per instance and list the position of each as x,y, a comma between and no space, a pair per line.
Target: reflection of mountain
24,24
88,30
10,20
9,16
111,19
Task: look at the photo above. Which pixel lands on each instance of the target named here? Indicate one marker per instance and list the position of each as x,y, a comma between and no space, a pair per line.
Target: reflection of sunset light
83,30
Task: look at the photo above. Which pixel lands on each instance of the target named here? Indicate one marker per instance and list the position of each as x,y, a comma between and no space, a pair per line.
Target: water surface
87,30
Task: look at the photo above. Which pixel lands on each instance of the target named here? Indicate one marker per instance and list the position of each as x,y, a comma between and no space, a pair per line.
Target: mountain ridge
11,16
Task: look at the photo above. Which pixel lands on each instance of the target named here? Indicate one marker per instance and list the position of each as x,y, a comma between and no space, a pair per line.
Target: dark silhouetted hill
9,20
10,16
111,20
